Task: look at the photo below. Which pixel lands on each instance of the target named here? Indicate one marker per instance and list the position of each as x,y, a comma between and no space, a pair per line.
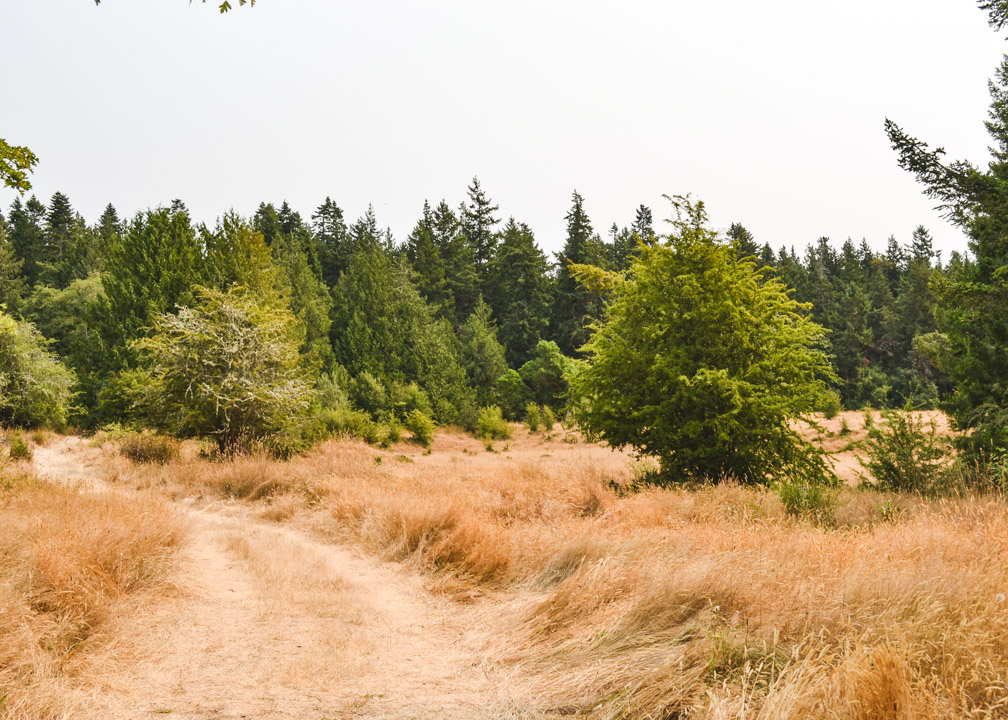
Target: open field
524,582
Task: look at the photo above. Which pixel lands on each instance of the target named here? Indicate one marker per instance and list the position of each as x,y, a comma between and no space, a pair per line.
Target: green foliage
576,306
381,325
813,501
512,394
421,427
404,399
223,7
226,368
490,424
150,271
548,374
548,418
35,388
905,454
368,394
829,405
702,361
481,354
149,448
19,449
533,417
518,291
16,163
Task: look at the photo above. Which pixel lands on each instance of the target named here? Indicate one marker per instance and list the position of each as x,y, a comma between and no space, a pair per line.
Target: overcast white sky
770,111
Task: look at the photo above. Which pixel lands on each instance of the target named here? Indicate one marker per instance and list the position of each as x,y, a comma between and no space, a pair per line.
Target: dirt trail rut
270,623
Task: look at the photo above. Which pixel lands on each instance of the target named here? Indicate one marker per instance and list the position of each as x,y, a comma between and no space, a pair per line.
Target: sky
770,112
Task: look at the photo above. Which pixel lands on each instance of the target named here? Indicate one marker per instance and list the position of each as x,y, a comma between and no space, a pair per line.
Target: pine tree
331,241
61,235
13,287
575,307
643,225
460,262
26,236
429,269
478,226
518,291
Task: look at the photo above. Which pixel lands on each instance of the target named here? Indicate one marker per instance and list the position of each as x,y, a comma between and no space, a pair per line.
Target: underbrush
718,601
147,447
68,560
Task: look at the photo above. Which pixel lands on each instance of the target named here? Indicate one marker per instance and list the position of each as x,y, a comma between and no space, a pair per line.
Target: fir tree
478,226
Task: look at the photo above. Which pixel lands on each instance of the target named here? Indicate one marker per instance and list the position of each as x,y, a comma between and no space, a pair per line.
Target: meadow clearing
527,581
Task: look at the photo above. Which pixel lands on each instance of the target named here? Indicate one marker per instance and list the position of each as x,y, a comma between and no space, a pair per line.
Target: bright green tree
35,388
482,354
703,361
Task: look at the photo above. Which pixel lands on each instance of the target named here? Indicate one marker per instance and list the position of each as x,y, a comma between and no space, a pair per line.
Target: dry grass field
526,582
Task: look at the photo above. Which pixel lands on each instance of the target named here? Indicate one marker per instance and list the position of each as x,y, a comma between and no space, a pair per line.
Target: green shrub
830,406
491,424
512,394
869,418
548,418
368,394
905,454
395,429
844,426
339,422
533,418
807,500
421,427
19,449
149,448
404,399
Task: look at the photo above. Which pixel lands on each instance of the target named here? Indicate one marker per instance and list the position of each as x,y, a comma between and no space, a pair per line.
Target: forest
467,312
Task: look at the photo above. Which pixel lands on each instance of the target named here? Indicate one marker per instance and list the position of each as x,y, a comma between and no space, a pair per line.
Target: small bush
420,427
533,418
869,418
906,454
395,429
149,448
548,418
844,426
404,399
368,394
830,405
807,500
491,425
19,449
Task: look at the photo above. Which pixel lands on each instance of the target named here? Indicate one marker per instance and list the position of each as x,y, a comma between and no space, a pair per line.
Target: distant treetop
224,6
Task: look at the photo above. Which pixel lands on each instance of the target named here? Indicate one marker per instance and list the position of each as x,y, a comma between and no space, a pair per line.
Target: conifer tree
26,236
518,291
331,241
478,226
12,284
575,307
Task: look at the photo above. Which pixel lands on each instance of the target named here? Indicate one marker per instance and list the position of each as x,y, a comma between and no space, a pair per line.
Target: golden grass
708,602
69,560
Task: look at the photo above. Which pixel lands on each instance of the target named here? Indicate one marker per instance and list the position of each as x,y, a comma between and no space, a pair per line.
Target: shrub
35,388
513,395
19,449
491,425
844,426
150,448
905,454
548,418
368,394
421,427
533,418
229,368
404,399
830,404
807,500
395,429
548,374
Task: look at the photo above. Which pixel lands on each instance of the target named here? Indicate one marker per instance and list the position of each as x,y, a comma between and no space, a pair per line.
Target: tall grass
68,561
707,602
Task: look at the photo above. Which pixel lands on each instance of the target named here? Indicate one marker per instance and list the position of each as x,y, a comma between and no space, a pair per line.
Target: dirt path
270,623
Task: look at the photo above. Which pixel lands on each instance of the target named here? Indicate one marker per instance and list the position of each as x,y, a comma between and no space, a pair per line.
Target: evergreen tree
482,354
643,225
622,246
26,236
61,235
742,240
518,291
331,241
478,227
575,307
152,270
13,287
429,269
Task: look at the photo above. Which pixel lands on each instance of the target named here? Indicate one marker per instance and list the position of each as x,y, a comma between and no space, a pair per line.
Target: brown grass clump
147,447
668,603
68,560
